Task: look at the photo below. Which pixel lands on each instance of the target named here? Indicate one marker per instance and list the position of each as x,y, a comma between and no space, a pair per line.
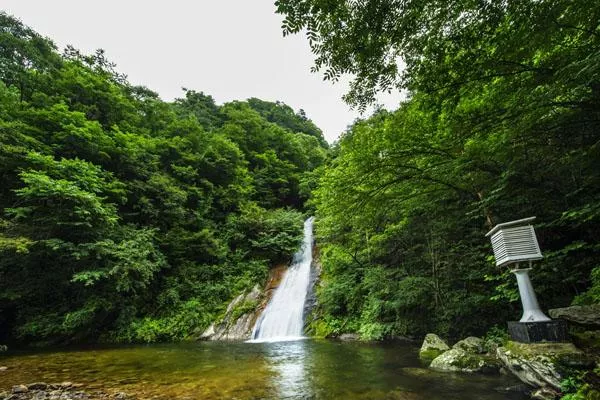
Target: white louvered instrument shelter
514,242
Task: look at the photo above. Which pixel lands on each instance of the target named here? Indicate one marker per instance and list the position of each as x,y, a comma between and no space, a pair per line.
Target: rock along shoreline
59,391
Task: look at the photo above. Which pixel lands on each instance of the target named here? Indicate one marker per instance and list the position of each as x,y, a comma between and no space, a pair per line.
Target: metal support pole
531,308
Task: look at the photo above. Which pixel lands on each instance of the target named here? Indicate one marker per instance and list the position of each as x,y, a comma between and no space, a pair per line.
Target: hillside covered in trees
501,122
127,218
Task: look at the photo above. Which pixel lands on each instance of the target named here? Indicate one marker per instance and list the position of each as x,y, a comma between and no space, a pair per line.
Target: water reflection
288,361
307,369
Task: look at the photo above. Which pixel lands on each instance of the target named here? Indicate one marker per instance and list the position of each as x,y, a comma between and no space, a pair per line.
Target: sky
229,49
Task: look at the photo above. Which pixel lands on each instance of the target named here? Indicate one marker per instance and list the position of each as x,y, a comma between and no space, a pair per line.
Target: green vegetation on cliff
127,218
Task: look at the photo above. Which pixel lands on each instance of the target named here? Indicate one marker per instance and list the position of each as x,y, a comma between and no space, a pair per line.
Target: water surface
306,369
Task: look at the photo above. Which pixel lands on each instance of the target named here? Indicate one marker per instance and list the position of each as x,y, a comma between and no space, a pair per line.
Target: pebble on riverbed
58,391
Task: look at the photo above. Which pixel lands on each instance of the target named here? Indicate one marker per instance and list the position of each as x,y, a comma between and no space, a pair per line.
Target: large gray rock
458,360
580,315
239,318
349,337
470,344
432,347
540,364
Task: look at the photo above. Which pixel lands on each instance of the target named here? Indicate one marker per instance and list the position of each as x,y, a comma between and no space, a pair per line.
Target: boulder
471,344
580,315
458,360
348,337
541,364
3,347
432,347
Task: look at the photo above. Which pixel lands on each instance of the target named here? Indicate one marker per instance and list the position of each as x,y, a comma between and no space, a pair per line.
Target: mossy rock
433,346
458,360
429,355
560,354
542,364
588,340
471,344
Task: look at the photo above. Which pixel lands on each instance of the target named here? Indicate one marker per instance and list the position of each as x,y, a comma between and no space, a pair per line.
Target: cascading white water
282,319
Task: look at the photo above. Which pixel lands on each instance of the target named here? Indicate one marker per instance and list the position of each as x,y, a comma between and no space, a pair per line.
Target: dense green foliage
502,122
126,218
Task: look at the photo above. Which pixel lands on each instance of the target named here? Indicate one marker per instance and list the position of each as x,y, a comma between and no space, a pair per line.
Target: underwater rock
432,347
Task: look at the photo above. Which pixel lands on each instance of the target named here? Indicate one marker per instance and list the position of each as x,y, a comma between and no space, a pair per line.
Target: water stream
282,319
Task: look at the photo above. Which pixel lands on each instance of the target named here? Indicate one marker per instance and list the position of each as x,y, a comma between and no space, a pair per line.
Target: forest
501,121
125,218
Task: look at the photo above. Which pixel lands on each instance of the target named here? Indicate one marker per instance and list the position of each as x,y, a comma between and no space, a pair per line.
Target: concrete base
541,331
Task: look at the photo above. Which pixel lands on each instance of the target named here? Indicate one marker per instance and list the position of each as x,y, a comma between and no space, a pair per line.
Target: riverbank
59,391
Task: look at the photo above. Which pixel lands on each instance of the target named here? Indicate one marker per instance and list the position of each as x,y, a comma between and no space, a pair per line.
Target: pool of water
306,369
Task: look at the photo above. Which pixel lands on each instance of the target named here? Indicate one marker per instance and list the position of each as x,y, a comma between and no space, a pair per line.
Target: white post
531,308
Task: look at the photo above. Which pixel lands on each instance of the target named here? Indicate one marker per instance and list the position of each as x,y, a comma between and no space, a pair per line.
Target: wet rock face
239,318
311,296
588,316
432,347
243,311
541,364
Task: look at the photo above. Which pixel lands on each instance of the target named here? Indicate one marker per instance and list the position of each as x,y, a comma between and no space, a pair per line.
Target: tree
435,45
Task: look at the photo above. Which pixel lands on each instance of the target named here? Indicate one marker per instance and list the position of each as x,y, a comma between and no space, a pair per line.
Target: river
305,369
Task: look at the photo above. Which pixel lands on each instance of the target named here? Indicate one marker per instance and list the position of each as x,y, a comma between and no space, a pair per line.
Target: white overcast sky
230,49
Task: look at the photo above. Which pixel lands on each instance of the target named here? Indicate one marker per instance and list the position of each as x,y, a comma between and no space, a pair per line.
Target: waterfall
282,319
